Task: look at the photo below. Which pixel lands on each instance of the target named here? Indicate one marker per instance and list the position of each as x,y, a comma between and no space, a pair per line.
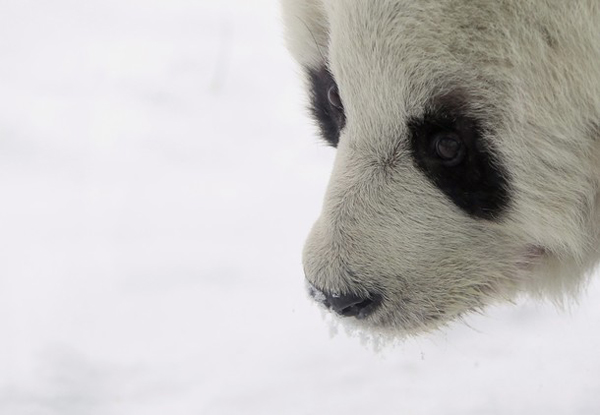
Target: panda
467,169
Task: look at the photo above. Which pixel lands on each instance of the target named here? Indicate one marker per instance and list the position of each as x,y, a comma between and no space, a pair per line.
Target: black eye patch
326,105
476,182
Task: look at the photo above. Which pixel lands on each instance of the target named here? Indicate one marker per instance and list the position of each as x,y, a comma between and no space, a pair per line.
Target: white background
158,176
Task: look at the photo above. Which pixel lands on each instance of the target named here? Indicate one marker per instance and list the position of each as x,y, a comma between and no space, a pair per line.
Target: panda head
467,159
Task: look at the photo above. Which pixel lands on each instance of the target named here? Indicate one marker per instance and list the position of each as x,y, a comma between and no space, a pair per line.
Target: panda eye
449,148
333,96
326,105
455,150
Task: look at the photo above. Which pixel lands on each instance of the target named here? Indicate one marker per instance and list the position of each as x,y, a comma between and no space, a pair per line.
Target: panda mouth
361,310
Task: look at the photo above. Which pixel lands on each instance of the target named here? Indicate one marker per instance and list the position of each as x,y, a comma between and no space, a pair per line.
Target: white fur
531,69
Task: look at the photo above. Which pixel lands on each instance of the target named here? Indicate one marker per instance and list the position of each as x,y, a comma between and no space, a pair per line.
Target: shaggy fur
529,72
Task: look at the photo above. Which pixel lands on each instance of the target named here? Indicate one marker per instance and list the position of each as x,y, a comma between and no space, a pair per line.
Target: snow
158,178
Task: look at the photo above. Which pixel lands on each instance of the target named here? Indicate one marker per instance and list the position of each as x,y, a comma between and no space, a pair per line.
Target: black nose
346,305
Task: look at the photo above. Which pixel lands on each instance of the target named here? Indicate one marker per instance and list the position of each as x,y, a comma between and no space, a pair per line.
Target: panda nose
346,305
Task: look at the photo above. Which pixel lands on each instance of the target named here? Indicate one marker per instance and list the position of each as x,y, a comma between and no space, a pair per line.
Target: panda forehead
397,79
390,91
412,38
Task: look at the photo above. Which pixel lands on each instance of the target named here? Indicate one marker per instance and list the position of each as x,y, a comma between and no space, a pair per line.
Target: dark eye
333,95
326,105
449,148
455,150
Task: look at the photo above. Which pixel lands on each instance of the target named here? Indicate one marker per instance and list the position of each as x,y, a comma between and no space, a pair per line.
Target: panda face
444,195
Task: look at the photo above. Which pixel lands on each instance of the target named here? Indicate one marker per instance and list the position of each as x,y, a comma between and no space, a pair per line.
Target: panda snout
346,305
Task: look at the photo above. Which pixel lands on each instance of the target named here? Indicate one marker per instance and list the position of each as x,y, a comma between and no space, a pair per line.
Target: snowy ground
158,177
